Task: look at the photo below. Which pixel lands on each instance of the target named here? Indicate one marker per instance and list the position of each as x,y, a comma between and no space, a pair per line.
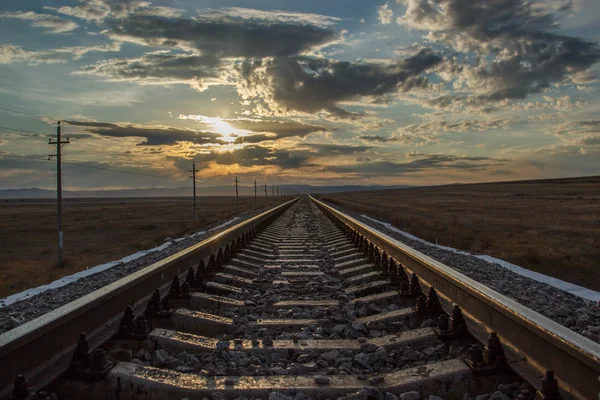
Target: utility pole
59,144
193,171
272,190
237,200
255,194
266,192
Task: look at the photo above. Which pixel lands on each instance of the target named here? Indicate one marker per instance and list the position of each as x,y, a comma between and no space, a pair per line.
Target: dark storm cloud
377,138
155,136
158,67
225,37
516,51
256,155
311,85
273,130
251,156
335,149
421,162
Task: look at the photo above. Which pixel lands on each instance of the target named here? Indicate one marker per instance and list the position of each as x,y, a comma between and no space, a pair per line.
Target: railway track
299,302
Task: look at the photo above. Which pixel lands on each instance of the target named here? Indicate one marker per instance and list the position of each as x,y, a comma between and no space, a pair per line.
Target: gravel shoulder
578,314
21,312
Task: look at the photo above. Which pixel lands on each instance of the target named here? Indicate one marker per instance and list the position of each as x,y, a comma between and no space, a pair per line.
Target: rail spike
377,259
490,361
132,327
394,281
550,387
190,279
127,325
200,273
385,268
155,308
415,287
212,265
452,328
433,301
175,288
20,388
219,262
227,253
89,365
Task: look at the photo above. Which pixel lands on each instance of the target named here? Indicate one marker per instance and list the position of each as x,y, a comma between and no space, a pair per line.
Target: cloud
309,85
251,156
229,33
257,130
385,14
508,49
429,132
273,130
99,10
51,22
590,141
154,135
239,14
335,149
158,68
576,127
377,138
10,54
79,51
421,162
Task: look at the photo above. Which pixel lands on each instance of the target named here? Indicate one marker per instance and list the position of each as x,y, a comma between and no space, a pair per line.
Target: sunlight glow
223,127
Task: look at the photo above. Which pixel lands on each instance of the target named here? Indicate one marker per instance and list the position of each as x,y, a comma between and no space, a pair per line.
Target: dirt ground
96,231
550,226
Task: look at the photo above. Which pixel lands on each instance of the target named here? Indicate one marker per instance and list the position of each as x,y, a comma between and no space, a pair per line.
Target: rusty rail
41,349
533,343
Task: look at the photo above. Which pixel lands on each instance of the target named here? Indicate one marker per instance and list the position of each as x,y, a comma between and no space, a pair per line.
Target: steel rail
42,349
533,343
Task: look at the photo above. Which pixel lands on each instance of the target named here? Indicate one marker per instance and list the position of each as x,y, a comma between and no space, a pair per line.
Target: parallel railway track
301,300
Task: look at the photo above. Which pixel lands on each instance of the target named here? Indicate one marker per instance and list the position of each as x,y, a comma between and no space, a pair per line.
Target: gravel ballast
21,312
580,315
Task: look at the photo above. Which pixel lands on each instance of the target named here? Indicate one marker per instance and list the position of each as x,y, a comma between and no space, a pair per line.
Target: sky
335,92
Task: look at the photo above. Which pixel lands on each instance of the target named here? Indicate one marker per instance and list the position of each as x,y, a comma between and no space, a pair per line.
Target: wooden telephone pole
255,194
193,171
265,191
237,199
59,225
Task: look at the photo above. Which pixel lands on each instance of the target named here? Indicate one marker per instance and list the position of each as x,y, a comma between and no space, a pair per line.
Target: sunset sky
314,92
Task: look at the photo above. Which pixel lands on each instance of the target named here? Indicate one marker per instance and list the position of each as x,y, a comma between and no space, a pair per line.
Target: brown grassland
549,226
96,231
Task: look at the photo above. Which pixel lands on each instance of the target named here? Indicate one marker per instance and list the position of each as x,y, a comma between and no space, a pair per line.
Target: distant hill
36,193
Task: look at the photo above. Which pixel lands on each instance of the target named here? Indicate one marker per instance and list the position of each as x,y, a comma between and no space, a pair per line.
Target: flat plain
97,231
548,226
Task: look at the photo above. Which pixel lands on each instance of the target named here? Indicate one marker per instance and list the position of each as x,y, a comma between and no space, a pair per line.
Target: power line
88,166
24,113
23,157
117,170
21,130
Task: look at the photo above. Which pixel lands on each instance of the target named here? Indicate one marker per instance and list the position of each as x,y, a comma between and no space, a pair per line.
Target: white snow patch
575,290
29,293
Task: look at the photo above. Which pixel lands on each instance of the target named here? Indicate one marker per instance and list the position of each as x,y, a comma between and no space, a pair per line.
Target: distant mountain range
36,193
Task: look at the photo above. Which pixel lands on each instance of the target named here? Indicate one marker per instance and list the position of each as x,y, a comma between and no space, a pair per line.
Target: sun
224,129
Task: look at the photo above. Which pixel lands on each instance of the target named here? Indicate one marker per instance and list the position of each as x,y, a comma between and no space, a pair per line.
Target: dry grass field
549,226
96,231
